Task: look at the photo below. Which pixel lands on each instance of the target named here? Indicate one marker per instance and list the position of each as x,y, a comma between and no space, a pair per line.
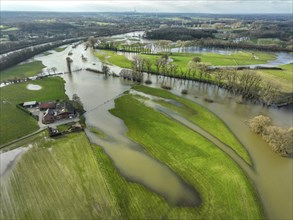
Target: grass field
111,57
282,78
16,123
202,117
224,188
58,179
59,49
21,71
67,178
182,59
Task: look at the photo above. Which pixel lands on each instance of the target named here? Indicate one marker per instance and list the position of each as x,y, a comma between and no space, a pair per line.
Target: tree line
247,83
180,33
18,56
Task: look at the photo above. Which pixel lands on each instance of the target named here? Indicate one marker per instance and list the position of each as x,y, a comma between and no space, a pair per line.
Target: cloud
190,6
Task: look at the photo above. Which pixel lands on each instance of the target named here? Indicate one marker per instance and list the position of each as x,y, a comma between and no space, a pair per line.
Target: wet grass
68,178
225,190
202,117
112,57
59,49
16,123
58,179
282,78
21,71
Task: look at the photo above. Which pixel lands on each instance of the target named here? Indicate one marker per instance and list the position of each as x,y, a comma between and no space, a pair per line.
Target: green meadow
201,117
195,159
22,71
14,122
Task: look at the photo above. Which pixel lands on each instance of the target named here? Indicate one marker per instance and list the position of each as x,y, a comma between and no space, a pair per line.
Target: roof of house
29,103
64,107
46,105
49,112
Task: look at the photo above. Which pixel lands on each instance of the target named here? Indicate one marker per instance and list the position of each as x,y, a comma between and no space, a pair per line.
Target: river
272,175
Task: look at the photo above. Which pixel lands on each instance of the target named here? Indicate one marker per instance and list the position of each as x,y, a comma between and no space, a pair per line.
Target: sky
188,6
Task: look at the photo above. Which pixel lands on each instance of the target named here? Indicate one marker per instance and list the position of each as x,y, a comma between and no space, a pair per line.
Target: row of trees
247,83
180,33
18,56
280,139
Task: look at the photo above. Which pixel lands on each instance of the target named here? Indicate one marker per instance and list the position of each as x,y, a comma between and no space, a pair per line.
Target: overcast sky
193,6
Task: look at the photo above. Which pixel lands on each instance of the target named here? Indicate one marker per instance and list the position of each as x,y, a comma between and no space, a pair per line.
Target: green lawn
21,71
58,179
16,123
59,49
182,59
46,53
225,191
283,78
112,58
202,117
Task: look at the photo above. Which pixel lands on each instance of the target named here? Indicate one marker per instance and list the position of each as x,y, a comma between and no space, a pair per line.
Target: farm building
31,104
45,105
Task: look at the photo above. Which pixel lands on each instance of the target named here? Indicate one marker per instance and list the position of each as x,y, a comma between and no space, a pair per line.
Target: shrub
280,139
259,123
184,91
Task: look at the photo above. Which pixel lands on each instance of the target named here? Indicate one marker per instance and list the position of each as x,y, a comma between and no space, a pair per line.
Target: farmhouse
63,110
46,105
49,116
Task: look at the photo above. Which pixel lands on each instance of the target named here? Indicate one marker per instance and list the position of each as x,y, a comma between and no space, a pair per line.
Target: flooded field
271,175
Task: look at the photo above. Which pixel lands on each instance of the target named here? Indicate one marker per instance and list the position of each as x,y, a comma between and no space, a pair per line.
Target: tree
54,69
259,123
105,70
92,41
137,68
249,81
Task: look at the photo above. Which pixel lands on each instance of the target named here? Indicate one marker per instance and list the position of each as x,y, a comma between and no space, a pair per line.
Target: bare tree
249,81
105,70
54,69
92,41
259,123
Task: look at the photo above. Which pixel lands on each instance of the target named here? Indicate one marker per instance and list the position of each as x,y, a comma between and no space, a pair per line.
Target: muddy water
134,163
273,174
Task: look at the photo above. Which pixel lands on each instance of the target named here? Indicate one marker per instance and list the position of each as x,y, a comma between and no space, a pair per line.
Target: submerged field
70,178
16,123
21,71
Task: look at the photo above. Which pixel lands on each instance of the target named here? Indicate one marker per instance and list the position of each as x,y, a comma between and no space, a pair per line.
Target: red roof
46,105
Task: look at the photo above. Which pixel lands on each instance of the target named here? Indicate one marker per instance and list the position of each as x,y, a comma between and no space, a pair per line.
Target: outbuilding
31,104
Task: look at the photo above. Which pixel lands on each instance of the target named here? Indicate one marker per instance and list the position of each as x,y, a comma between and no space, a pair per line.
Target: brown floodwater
272,175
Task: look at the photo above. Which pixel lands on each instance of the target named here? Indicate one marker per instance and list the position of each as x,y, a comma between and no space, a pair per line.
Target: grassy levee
16,123
225,190
57,179
22,71
202,117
